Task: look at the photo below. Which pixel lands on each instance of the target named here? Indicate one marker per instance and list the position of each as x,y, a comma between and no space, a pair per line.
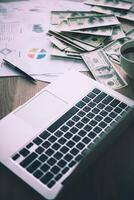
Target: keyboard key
96,91
76,138
87,128
45,179
29,145
44,135
82,133
79,157
101,96
64,149
65,170
39,150
100,105
51,161
74,151
86,99
80,104
97,129
72,163
51,184
46,144
109,108
107,100
24,152
38,173
16,156
114,103
92,104
86,140
63,119
28,159
58,155
102,124
52,139
34,166
70,144
108,119
93,122
62,140
70,123
58,177
79,125
81,113
76,118
37,141
64,128
62,163
68,157
55,170
103,113
90,115
92,134
56,146
98,118
43,158
74,130
117,110
58,133
80,145
113,115
50,152
95,110
86,109
45,167
85,120
91,95
122,105
68,135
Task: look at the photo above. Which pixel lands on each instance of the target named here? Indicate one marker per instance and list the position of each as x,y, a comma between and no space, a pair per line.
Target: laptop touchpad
41,110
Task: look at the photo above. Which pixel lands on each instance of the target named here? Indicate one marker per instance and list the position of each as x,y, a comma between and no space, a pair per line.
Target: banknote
110,3
59,44
92,21
99,31
57,52
58,16
91,40
117,33
74,42
103,70
114,47
66,40
123,14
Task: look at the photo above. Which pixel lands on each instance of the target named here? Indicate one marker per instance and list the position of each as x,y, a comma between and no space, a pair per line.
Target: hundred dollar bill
103,70
57,52
58,16
91,40
100,31
74,42
117,33
114,47
110,3
92,21
61,45
123,14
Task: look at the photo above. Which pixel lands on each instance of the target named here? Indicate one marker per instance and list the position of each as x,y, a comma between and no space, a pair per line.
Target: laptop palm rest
41,110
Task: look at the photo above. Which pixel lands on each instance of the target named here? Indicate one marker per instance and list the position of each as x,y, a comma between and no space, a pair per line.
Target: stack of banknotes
92,36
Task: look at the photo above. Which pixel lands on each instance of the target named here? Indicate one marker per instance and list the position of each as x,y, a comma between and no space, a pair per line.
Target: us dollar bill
66,54
99,31
114,47
58,16
110,3
91,22
103,70
59,44
91,40
117,33
122,14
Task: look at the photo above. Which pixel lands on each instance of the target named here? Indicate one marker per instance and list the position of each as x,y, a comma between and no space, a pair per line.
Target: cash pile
92,37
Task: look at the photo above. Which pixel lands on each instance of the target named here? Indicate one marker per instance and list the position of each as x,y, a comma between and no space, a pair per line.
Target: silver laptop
56,134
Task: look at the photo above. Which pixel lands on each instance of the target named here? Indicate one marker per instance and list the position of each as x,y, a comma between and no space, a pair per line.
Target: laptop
55,135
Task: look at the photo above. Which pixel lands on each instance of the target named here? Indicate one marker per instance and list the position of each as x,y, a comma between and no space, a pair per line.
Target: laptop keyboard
67,141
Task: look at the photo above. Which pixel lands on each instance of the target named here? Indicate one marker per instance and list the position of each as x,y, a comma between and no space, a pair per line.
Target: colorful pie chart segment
36,53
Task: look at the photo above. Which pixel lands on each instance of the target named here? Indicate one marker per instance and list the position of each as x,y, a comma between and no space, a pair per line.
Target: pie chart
36,53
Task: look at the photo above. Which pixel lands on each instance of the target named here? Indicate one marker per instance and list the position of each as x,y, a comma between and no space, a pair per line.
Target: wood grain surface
110,177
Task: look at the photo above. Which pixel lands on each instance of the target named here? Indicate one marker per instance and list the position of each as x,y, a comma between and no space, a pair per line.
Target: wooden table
110,177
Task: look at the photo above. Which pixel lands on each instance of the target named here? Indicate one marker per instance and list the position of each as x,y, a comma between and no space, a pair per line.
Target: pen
28,76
